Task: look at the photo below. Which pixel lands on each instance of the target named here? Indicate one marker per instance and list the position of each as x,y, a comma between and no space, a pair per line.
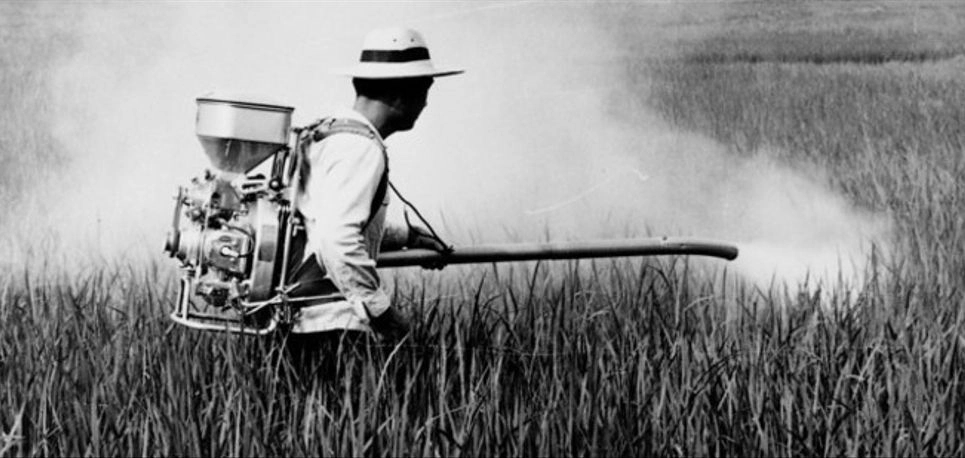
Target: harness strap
330,126
326,127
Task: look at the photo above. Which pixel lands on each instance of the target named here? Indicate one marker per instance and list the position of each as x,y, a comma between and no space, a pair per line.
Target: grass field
612,358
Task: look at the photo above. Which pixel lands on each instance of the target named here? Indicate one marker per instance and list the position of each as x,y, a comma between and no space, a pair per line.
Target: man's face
411,100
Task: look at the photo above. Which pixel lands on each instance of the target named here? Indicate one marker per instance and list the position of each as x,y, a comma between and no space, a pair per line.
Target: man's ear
396,103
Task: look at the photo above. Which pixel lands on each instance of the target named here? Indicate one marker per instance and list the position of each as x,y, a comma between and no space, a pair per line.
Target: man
343,195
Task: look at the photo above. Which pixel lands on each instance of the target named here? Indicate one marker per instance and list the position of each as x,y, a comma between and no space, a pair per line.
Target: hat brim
390,70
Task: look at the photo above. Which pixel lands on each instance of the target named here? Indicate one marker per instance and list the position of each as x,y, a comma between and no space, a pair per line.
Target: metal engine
232,226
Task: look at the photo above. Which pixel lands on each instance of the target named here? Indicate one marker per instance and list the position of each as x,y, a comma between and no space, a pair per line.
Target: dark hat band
405,55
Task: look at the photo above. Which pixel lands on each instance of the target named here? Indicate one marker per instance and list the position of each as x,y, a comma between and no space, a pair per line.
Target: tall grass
662,357
606,358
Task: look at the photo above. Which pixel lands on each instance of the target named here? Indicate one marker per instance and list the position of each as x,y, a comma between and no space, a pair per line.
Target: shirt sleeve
394,237
345,174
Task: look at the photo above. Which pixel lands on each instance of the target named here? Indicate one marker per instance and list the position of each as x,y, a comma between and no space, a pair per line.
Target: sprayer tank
239,132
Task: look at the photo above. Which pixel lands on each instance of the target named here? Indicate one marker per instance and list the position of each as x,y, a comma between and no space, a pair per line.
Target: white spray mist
528,142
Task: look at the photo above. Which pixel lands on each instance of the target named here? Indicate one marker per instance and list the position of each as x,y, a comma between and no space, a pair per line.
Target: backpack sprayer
233,229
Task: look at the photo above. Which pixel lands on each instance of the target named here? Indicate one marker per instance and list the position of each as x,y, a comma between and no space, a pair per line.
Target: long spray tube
559,250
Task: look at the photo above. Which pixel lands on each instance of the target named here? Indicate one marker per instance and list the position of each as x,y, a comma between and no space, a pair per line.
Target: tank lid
244,100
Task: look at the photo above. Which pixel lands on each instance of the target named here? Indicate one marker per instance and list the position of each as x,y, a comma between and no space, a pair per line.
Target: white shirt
345,170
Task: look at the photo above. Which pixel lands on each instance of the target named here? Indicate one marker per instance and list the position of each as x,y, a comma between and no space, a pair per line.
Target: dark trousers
324,356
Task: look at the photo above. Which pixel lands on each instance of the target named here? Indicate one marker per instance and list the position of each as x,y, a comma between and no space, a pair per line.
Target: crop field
662,356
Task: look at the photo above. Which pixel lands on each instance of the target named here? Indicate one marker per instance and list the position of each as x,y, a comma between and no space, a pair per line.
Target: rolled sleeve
394,237
345,174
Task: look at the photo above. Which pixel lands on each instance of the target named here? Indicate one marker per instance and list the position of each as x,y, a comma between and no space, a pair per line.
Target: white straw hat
395,52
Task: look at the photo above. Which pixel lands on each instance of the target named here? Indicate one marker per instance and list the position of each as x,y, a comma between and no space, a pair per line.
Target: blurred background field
628,357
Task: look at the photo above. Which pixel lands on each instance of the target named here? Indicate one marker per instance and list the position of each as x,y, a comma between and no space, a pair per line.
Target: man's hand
421,238
391,324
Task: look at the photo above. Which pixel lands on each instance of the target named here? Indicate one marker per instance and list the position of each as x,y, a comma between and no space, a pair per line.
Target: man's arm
346,170
394,237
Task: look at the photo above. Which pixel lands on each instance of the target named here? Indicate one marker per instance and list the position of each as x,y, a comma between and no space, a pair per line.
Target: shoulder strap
330,126
326,127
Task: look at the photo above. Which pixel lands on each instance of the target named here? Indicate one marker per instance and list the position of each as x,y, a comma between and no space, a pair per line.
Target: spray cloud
537,137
